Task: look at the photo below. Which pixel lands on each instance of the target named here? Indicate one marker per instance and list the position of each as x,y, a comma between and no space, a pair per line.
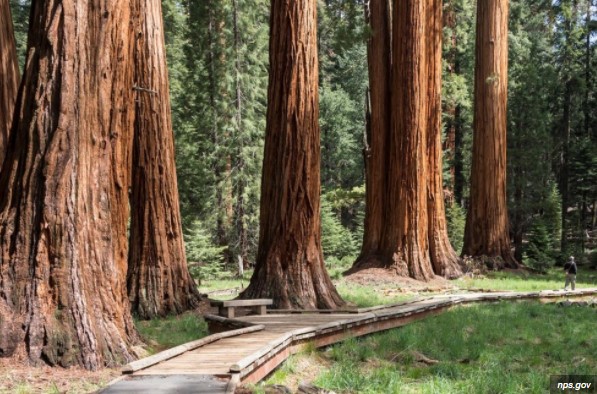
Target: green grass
553,280
225,282
490,348
366,296
164,333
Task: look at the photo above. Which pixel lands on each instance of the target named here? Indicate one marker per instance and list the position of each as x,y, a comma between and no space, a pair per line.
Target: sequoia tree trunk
62,229
158,279
444,259
377,13
9,76
410,212
487,230
289,266
406,236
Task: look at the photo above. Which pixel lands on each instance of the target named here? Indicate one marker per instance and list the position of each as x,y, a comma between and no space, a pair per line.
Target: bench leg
227,312
260,309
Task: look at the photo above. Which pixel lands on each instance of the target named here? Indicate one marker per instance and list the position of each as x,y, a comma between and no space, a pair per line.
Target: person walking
570,268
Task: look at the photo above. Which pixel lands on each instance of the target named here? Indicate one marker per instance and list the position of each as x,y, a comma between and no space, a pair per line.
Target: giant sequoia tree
9,75
62,212
378,127
289,266
443,257
487,232
158,279
406,240
407,178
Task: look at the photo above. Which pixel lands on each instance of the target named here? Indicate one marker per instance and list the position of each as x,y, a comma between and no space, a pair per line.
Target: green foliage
341,122
456,220
167,332
206,259
457,94
336,239
342,213
552,216
20,10
538,248
218,69
530,119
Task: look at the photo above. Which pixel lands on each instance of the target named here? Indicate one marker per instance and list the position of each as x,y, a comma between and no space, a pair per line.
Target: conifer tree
63,215
487,229
289,267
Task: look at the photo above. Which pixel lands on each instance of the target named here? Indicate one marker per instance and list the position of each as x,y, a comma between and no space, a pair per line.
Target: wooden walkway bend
219,362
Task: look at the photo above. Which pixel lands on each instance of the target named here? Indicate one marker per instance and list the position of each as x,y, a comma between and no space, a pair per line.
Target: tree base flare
490,263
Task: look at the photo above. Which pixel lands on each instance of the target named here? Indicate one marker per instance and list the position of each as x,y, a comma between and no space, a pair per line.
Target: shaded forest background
218,66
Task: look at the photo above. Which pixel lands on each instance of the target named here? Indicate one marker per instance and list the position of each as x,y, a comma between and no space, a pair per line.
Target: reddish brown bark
379,61
406,240
443,257
9,76
411,215
289,266
62,234
486,232
158,279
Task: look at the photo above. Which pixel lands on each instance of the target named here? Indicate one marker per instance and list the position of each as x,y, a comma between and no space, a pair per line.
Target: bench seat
226,308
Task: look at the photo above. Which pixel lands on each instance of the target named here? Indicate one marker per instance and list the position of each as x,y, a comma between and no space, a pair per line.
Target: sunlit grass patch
553,280
366,296
509,347
171,331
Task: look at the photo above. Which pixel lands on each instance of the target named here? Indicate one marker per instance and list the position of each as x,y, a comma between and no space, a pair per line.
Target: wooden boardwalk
216,364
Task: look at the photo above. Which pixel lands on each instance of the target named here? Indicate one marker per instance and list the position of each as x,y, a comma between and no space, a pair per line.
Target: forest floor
18,377
368,288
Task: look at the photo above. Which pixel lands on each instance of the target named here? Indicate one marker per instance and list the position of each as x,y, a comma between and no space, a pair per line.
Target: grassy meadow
491,348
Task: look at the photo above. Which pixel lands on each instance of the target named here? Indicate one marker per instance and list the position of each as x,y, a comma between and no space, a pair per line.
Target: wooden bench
226,308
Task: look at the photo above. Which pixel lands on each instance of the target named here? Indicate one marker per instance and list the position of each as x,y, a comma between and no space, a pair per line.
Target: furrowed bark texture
406,240
443,257
62,234
158,278
409,214
379,61
9,76
289,267
486,231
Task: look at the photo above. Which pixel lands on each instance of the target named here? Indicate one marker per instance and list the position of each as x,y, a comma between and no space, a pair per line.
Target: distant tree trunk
443,257
458,153
586,103
62,234
9,76
517,224
564,169
241,227
377,13
449,146
454,138
214,61
158,279
487,230
289,267
223,157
